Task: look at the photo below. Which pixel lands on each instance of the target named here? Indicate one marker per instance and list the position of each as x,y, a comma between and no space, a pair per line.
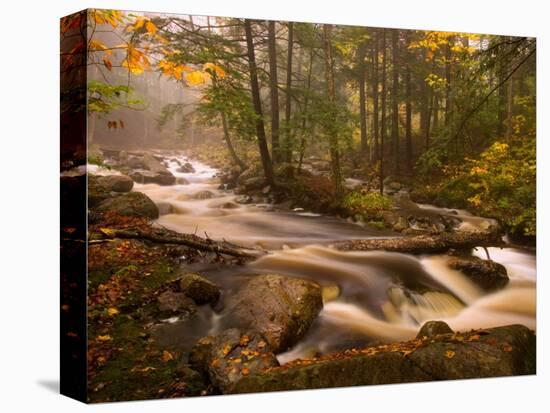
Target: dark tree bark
375,112
306,104
408,107
448,57
333,137
274,92
383,116
395,99
288,95
362,95
257,103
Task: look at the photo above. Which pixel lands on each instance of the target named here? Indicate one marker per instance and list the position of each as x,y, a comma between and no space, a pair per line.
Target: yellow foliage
195,78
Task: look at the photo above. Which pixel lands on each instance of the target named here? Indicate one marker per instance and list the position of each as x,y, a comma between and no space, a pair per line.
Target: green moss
369,205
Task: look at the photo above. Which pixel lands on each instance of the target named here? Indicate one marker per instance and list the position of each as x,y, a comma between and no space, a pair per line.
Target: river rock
280,308
254,183
186,168
97,192
116,183
171,303
131,204
149,177
231,355
434,328
181,181
203,195
165,208
495,352
251,172
229,205
200,289
244,199
487,274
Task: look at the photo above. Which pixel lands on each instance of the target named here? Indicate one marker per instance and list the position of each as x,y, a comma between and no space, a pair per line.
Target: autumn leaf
507,348
112,311
195,78
104,338
245,371
449,354
107,63
150,27
167,356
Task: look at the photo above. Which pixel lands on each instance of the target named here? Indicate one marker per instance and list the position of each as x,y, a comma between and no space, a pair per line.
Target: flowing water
369,296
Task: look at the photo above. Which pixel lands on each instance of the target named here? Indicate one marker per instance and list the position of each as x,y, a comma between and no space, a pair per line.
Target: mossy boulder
494,352
280,308
200,289
131,204
171,303
231,355
116,183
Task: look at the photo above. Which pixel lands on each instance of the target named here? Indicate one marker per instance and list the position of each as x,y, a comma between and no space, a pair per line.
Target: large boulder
231,355
495,352
97,192
116,183
487,274
280,308
203,195
131,204
200,289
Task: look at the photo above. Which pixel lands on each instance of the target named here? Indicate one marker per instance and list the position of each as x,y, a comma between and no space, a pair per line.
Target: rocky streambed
297,311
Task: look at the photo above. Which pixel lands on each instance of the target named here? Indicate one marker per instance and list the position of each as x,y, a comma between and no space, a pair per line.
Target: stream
369,297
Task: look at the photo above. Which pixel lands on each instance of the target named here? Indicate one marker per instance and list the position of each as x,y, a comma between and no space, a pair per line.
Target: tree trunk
257,103
375,113
288,139
509,108
431,100
362,96
394,99
383,117
306,104
236,160
333,137
408,107
448,56
274,92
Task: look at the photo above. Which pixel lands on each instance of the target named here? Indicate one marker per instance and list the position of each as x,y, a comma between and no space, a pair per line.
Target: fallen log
165,236
425,244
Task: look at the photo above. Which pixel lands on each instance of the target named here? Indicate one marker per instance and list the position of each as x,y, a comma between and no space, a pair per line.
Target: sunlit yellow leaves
195,78
172,69
150,27
112,17
214,69
136,61
103,338
112,311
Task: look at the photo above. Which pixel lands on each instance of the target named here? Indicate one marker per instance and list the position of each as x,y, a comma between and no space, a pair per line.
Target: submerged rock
165,208
487,274
434,328
244,199
280,308
203,195
172,303
231,355
131,204
197,287
495,352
